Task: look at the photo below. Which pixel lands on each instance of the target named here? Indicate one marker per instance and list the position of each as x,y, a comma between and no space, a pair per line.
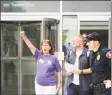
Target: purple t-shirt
47,66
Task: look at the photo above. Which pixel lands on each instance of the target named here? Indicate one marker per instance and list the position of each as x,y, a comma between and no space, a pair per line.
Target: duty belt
101,87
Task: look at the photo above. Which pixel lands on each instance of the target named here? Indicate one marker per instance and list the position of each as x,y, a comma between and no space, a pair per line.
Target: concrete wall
54,6
86,6
30,6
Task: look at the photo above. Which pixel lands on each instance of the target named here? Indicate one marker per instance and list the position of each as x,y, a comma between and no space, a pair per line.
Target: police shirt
100,65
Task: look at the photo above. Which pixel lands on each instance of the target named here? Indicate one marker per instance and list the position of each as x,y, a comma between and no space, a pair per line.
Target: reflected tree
9,72
9,42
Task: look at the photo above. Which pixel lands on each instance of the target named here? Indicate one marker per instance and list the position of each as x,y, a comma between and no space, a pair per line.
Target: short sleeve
57,65
37,53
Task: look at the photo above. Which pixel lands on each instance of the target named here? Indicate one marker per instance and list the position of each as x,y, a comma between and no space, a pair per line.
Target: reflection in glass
70,30
10,77
86,6
28,77
9,41
33,34
51,33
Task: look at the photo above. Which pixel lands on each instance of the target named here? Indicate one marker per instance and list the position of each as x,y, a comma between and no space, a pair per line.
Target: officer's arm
86,71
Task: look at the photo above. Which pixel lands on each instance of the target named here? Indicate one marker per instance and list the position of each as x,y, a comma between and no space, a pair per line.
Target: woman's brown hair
51,51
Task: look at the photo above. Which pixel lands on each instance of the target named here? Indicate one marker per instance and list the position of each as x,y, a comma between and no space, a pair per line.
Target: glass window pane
70,30
30,6
51,32
33,33
28,77
9,40
9,77
86,6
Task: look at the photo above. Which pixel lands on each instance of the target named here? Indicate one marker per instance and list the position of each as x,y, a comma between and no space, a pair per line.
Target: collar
85,50
99,49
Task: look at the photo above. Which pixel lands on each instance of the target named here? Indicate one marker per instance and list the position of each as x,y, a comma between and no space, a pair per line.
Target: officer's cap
94,36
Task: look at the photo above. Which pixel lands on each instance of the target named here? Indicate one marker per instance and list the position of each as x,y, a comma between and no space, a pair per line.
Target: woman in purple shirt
47,65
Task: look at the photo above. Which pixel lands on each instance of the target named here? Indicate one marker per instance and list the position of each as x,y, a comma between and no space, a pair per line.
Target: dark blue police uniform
101,68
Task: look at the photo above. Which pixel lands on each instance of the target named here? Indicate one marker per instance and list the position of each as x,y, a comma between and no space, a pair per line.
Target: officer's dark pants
104,92
77,91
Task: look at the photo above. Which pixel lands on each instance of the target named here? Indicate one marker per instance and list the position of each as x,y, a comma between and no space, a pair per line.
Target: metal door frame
110,37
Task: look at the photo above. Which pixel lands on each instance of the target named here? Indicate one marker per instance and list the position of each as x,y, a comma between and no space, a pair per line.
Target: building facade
58,21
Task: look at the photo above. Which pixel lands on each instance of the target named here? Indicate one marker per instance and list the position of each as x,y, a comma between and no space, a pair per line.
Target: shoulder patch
109,54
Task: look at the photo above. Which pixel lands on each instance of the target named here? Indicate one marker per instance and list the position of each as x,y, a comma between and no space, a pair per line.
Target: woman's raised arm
28,43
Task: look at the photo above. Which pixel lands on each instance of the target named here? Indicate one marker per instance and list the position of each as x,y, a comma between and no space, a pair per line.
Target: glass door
33,32
18,66
9,59
50,31
70,28
27,61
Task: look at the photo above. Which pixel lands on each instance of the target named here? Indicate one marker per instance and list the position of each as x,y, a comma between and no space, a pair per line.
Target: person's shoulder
104,49
71,51
54,56
86,49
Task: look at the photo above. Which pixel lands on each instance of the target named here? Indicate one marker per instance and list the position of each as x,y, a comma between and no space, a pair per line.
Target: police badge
98,57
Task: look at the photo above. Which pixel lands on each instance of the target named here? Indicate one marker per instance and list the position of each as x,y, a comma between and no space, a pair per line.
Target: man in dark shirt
100,65
78,83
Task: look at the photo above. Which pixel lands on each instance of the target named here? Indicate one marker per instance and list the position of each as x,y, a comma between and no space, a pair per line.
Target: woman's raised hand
22,33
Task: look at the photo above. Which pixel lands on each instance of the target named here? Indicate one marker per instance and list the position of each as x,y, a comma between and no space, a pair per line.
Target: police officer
100,65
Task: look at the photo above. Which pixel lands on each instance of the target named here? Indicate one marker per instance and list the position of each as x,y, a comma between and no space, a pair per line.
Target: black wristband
82,72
